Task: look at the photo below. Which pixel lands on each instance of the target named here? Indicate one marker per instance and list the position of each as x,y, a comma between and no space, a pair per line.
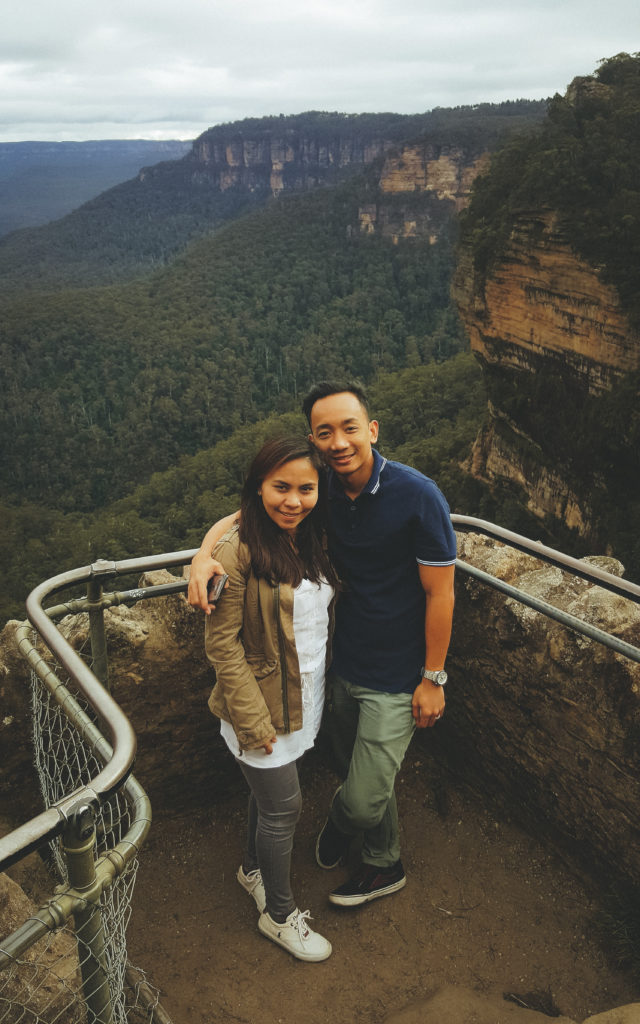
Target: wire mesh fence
71,966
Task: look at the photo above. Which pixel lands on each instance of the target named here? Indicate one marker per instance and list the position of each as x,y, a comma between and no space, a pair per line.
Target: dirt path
485,907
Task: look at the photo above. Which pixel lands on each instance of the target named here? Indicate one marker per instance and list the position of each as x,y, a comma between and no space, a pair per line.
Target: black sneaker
331,845
369,883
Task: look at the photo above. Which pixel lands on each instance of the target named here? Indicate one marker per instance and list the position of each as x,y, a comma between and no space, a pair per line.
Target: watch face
439,678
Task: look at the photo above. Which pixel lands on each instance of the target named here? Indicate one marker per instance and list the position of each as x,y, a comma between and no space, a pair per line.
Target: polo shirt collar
373,483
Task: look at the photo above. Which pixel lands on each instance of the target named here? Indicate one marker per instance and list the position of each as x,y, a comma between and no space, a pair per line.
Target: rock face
501,453
543,719
421,185
292,159
447,171
538,314
543,302
542,310
53,974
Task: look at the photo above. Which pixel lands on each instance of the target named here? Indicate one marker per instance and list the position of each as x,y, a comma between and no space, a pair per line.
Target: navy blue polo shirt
376,540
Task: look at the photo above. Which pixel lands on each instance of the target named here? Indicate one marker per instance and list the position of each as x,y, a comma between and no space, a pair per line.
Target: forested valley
108,387
133,397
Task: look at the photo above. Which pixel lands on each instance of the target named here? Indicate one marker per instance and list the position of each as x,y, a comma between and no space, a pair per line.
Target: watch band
438,677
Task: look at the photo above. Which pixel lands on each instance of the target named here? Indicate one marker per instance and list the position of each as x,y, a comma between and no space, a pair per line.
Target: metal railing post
78,841
97,633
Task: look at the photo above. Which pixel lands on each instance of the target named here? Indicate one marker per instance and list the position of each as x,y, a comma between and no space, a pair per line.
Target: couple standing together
350,570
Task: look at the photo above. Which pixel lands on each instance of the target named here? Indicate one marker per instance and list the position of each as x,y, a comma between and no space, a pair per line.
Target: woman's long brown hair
272,554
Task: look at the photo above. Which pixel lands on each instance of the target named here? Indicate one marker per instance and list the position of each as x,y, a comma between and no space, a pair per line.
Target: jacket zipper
283,663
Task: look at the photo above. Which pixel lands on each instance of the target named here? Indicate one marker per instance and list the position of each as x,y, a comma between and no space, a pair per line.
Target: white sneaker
296,936
252,882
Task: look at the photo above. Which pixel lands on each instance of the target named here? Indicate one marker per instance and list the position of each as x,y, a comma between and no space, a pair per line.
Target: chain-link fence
67,961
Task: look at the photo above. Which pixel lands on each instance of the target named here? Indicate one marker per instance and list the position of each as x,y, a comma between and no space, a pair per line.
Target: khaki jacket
249,640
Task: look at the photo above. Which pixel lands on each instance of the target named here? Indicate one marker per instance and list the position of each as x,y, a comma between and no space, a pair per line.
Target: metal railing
573,566
96,820
72,816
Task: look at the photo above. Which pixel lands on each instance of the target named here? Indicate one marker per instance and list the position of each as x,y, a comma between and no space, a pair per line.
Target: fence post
101,568
78,841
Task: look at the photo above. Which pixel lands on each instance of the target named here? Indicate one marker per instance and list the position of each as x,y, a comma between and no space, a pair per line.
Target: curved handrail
119,763
576,567
533,547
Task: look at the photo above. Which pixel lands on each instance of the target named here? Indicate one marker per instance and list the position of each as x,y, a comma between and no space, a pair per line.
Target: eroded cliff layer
543,302
543,314
293,160
421,186
546,285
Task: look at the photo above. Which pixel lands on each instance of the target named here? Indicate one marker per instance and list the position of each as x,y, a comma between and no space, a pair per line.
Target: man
391,539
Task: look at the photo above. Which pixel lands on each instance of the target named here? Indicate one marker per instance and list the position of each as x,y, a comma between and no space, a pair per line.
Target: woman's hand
267,746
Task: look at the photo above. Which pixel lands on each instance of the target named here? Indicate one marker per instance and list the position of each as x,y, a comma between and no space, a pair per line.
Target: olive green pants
370,732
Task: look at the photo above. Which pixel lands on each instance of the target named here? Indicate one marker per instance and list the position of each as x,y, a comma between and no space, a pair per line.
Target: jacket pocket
261,668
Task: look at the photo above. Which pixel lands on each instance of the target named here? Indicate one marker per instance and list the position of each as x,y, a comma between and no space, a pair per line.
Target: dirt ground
485,906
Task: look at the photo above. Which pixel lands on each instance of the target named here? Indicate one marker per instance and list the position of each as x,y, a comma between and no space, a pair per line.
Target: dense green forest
142,224
130,410
429,415
105,386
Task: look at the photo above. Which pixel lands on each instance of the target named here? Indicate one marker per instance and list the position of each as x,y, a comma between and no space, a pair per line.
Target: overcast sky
162,69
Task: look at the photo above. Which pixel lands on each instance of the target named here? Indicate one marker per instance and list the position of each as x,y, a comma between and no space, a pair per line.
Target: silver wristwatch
439,678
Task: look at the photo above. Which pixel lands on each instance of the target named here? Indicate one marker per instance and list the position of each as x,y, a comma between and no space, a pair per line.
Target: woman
268,642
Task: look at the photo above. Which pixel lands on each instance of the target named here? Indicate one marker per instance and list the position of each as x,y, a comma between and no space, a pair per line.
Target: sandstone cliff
542,310
421,186
291,159
542,302
295,158
546,285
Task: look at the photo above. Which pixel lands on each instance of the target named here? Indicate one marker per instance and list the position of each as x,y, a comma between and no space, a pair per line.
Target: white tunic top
310,629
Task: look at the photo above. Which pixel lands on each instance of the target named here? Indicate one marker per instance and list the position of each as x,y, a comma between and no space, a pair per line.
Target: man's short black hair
324,388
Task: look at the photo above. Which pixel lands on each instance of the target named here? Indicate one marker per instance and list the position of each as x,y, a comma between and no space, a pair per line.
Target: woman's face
289,493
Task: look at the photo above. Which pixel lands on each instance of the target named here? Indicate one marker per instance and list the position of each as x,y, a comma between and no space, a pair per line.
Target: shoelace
301,924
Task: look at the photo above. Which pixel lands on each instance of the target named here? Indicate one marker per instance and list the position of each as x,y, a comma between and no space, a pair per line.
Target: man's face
343,435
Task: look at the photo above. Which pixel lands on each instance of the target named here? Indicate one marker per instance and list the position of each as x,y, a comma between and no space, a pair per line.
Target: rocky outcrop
446,171
502,453
541,718
285,159
543,310
543,302
421,187
291,159
44,988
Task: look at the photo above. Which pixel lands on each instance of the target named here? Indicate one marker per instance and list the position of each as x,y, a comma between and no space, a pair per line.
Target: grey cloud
153,68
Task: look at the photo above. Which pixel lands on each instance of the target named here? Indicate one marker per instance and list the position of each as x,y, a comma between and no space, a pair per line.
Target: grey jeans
275,803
